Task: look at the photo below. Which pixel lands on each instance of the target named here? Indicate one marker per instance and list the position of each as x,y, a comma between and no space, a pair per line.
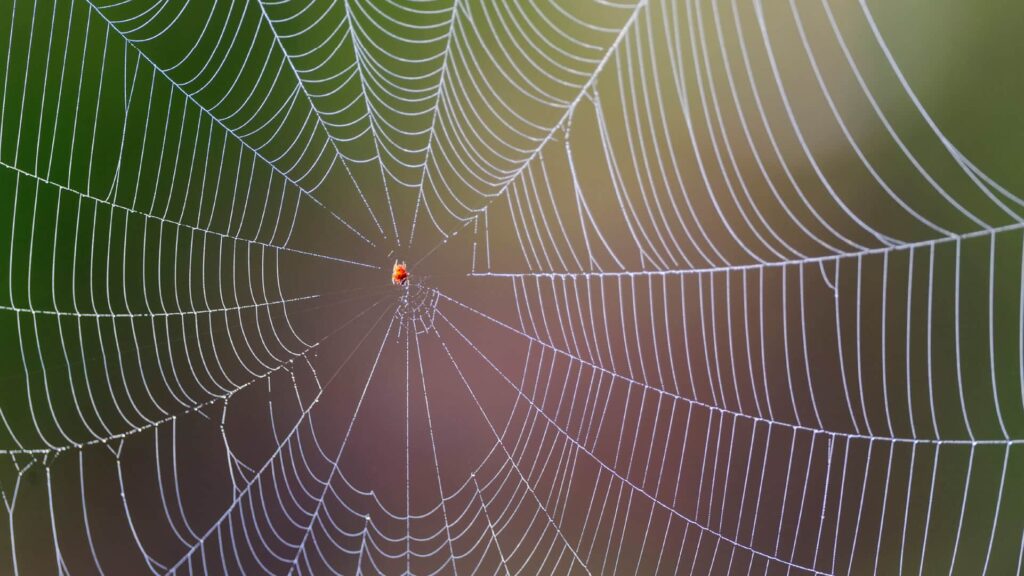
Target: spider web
697,287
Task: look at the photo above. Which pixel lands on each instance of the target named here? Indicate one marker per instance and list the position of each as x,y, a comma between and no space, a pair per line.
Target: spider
399,274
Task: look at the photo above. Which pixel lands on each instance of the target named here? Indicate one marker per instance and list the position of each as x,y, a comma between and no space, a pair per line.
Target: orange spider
399,275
